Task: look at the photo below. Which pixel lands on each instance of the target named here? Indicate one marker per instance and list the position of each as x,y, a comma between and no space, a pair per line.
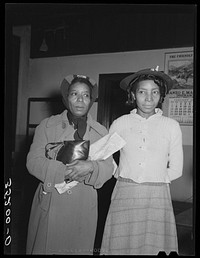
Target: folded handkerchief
63,187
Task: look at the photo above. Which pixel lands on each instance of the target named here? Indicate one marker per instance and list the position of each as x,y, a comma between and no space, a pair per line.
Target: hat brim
124,84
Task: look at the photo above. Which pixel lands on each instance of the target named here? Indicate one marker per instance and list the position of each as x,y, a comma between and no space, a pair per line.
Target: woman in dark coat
66,223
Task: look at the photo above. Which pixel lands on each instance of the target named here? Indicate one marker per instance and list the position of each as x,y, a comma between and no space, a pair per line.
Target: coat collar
63,120
57,119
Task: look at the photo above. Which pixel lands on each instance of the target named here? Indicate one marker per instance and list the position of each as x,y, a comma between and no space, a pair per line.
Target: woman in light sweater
141,220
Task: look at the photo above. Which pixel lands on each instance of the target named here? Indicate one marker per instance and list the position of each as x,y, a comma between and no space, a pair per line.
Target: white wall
46,74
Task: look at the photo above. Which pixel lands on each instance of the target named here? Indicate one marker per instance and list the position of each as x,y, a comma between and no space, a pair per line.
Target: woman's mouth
79,108
148,106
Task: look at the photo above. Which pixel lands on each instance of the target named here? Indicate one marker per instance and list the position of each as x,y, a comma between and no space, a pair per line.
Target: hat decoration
126,83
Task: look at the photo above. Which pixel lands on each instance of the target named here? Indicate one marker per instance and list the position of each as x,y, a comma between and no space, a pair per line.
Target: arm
103,170
113,127
48,171
175,154
94,173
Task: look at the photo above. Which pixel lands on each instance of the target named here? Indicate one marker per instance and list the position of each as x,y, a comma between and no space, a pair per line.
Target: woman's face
79,99
147,97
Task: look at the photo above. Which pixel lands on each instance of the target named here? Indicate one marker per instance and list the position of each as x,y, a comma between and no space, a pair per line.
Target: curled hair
134,85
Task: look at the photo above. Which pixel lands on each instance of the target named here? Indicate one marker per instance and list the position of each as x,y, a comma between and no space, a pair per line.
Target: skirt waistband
128,180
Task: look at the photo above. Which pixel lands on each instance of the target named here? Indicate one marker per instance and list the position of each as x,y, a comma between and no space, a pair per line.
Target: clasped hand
78,170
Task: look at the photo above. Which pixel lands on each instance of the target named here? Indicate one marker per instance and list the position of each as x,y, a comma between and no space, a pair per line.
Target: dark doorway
111,105
112,99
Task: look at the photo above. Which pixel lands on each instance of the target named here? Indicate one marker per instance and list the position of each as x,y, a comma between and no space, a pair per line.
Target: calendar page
181,106
179,66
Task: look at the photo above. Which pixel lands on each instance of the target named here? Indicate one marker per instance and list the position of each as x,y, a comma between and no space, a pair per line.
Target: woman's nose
148,97
80,98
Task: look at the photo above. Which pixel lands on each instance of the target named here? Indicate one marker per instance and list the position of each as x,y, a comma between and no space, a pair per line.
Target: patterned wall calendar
181,106
179,66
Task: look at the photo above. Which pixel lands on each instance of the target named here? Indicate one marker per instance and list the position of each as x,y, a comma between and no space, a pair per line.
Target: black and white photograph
99,129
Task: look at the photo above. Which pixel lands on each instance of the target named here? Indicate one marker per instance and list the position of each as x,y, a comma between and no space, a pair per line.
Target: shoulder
99,128
51,121
54,120
121,119
170,121
170,124
120,122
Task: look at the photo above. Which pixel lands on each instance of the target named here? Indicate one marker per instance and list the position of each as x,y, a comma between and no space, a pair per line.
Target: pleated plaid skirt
140,220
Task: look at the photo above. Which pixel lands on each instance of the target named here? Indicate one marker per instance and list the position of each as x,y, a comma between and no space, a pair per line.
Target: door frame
105,80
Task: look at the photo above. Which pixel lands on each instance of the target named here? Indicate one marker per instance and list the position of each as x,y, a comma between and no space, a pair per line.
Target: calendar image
179,66
181,106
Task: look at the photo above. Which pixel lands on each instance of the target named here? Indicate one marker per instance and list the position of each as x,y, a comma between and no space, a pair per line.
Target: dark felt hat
125,83
67,82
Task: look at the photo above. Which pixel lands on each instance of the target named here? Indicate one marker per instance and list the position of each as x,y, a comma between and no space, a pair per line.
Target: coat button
49,184
69,191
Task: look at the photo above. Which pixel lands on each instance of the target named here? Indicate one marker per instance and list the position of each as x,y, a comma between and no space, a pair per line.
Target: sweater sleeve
119,124
47,171
175,166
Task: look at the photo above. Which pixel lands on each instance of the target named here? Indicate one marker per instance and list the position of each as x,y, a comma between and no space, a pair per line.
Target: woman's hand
78,170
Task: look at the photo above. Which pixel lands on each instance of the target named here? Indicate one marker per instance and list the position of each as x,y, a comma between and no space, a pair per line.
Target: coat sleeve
47,171
102,172
175,167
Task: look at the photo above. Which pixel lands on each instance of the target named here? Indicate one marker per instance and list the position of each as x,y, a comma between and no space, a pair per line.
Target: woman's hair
82,80
134,85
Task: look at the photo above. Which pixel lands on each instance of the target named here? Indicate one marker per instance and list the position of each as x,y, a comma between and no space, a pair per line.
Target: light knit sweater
153,150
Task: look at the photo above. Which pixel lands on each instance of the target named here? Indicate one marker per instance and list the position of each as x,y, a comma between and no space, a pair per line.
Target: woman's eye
73,94
86,95
156,92
141,92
